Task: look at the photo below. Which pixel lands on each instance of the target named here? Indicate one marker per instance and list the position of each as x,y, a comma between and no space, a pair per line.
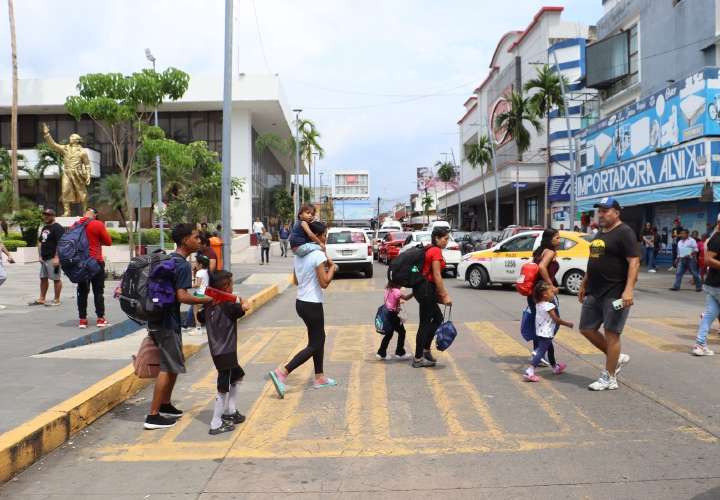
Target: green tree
446,173
47,158
547,95
110,191
121,106
479,155
283,203
427,203
6,187
29,220
513,120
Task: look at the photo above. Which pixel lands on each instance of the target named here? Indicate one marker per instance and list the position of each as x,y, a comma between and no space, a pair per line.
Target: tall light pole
313,177
151,58
297,159
491,136
226,129
571,144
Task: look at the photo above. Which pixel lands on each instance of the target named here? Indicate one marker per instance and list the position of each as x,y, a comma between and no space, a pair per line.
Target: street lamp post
151,58
297,159
313,177
226,132
494,167
571,148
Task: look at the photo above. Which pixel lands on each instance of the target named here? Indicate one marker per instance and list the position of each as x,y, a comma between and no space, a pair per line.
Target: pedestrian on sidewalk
97,237
3,273
712,294
264,241
257,228
216,243
648,243
674,235
284,236
393,302
428,294
606,293
687,251
545,256
166,333
207,251
313,273
50,235
547,322
220,319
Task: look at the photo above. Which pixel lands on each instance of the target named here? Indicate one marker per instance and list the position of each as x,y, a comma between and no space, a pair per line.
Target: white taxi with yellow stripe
501,264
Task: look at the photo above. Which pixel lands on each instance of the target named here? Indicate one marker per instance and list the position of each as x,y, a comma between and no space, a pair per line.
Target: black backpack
74,253
406,269
135,298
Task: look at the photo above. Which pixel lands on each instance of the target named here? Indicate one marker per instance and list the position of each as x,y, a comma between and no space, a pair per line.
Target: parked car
350,249
451,253
379,236
391,245
392,224
502,262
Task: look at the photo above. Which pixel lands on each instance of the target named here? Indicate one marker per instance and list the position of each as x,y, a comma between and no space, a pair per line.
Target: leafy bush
13,235
152,236
13,245
29,220
117,237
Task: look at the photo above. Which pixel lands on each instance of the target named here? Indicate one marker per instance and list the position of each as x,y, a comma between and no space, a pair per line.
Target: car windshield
381,234
343,237
423,238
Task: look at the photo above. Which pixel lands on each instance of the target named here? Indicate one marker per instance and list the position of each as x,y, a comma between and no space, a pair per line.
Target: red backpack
526,281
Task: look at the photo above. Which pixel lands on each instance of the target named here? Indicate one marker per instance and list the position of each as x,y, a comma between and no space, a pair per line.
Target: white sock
220,401
231,406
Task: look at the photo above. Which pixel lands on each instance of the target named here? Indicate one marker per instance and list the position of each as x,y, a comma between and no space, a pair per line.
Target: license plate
348,252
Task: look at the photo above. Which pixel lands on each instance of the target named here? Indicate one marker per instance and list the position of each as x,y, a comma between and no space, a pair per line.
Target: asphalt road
470,428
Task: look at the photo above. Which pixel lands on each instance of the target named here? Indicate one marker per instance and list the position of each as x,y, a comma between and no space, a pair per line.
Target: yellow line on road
442,402
652,341
575,341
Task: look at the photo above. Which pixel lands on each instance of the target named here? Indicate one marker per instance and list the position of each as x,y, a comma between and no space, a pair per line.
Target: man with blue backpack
81,258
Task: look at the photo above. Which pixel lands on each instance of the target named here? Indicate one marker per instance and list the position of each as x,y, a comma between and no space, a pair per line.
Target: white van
439,223
392,224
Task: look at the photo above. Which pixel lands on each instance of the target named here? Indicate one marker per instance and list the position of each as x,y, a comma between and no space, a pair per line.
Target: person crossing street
606,293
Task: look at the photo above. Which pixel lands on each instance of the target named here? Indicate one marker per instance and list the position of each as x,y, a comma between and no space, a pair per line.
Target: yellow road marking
283,342
652,341
683,326
442,401
575,341
349,342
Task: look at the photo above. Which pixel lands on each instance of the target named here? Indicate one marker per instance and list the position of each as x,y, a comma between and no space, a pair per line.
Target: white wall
241,166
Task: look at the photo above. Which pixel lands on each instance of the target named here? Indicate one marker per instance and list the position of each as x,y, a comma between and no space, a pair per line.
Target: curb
22,446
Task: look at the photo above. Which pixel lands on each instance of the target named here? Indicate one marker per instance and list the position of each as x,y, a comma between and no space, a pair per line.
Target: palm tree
14,109
548,95
480,155
427,203
309,142
446,173
513,120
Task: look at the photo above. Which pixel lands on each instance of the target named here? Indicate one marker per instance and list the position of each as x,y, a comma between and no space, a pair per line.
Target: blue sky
384,80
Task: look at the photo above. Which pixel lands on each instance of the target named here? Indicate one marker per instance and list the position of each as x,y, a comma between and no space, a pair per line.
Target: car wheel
572,281
369,271
477,277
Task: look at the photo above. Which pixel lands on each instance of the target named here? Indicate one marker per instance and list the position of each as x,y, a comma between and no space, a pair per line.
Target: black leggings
314,318
536,342
400,329
430,319
265,255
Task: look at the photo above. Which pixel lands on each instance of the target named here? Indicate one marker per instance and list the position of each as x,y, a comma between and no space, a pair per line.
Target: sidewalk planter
25,255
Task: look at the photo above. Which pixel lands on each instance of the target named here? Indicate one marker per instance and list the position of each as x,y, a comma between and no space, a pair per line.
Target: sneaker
402,356
671,268
422,363
622,361
329,382
83,324
158,422
531,377
101,323
702,350
605,382
279,382
380,356
53,303
652,270
428,355
169,411
224,427
559,368
235,418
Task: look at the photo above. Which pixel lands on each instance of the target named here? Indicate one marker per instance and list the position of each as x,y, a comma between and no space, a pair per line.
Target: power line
260,37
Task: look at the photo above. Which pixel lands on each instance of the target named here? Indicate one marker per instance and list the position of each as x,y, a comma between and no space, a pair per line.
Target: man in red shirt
97,236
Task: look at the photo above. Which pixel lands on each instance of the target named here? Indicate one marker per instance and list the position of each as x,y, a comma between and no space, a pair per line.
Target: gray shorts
172,359
599,311
47,270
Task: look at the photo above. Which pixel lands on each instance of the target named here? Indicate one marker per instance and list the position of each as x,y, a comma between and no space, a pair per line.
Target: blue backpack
527,324
383,325
445,333
74,254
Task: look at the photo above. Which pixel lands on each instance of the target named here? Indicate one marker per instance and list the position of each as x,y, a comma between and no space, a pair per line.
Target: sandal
36,303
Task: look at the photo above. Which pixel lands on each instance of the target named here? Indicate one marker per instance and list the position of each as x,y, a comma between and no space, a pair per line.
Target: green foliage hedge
13,245
117,237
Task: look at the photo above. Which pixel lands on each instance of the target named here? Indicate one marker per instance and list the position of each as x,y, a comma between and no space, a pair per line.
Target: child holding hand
547,322
302,239
393,298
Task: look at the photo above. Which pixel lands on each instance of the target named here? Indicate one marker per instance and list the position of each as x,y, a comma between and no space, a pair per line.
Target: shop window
531,211
633,75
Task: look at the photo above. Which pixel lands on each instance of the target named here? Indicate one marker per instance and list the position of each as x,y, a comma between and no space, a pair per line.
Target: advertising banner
683,111
680,166
559,188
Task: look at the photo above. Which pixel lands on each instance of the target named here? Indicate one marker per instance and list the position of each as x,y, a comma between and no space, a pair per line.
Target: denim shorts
599,311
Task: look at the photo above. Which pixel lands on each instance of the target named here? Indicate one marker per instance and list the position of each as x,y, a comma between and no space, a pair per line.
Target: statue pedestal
67,221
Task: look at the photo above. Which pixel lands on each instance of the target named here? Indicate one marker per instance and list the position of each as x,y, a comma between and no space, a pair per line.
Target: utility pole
378,212
491,136
297,159
14,111
517,193
161,222
227,119
459,167
571,145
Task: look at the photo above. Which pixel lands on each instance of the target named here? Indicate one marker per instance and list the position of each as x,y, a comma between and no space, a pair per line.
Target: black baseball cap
608,202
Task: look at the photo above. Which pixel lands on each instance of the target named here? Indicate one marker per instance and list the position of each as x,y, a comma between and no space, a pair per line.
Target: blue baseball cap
608,202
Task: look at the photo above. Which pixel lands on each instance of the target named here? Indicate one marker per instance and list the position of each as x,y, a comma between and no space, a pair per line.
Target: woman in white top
313,274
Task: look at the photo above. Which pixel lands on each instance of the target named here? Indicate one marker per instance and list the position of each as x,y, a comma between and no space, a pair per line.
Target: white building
515,61
258,107
351,185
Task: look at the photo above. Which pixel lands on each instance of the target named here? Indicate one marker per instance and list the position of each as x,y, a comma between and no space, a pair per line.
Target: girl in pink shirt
393,298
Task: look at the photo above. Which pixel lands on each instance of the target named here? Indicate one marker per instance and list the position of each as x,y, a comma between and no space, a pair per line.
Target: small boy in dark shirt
220,320
302,239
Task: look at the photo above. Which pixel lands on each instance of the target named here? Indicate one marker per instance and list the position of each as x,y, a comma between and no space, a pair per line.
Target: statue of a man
76,170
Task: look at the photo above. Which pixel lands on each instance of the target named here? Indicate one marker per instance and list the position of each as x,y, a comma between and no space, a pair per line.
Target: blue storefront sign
674,174
559,188
683,111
